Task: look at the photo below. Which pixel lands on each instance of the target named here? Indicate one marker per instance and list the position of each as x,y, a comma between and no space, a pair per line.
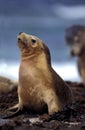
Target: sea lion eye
33,40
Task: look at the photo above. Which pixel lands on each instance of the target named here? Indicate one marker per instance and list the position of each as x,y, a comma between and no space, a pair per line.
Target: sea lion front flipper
13,108
51,101
17,113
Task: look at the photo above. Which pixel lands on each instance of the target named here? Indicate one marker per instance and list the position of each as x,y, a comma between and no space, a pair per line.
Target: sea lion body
7,85
75,39
39,85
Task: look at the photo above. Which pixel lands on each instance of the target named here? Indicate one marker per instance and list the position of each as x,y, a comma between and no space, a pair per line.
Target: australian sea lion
7,85
75,39
39,85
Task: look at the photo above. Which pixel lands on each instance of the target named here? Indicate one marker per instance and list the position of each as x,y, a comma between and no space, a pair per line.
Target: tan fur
39,84
7,85
75,39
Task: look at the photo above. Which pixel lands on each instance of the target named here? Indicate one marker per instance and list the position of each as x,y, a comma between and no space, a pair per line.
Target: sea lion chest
32,84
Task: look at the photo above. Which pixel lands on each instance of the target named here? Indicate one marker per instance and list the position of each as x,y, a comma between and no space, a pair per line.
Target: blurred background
47,19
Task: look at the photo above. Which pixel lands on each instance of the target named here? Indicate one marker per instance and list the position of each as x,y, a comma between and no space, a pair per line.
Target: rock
63,120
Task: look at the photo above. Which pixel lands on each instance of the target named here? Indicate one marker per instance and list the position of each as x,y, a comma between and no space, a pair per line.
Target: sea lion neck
27,55
36,60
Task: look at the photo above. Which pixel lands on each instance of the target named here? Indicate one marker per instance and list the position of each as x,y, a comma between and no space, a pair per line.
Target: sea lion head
75,39
32,46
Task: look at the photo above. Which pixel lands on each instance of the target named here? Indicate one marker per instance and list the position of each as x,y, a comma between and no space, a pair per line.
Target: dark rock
72,117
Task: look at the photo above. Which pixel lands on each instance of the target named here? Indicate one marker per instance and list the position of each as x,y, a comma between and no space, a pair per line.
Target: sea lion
75,39
39,85
7,85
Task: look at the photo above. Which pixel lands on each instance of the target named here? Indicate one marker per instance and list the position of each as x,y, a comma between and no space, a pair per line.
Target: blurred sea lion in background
40,86
7,85
75,39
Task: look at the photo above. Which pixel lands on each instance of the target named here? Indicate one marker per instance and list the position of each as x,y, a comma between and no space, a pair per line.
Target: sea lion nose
20,33
19,39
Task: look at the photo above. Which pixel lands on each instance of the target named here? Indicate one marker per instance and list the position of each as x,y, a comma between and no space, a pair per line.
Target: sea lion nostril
20,33
19,39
